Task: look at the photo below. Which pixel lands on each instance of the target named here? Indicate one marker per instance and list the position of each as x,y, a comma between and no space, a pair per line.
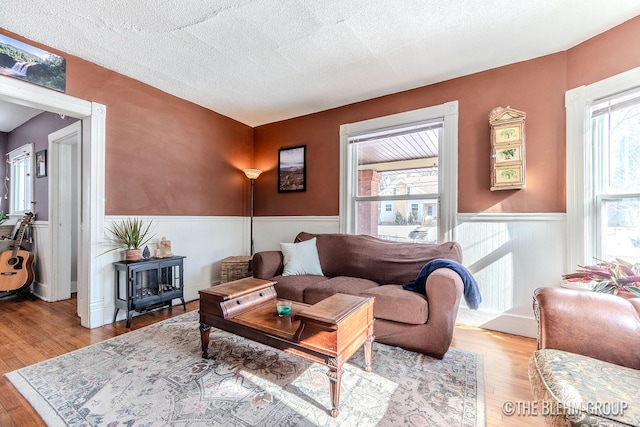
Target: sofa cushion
394,303
301,258
292,287
375,259
346,285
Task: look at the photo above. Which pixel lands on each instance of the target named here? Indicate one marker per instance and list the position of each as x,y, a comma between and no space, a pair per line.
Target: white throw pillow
301,258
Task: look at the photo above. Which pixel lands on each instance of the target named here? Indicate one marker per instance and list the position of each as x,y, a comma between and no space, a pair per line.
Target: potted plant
132,234
618,277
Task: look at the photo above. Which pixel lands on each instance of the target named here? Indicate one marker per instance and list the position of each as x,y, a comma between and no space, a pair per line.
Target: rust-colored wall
164,155
608,54
536,87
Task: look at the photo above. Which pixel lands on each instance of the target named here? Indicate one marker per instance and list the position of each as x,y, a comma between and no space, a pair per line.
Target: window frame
448,163
581,230
24,151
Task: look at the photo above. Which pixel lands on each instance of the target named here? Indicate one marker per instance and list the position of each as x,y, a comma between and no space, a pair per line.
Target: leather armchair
586,371
602,326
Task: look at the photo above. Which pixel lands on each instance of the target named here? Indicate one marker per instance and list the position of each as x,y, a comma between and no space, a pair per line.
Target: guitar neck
18,240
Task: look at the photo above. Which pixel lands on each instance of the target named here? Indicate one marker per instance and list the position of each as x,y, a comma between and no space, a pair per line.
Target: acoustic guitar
16,266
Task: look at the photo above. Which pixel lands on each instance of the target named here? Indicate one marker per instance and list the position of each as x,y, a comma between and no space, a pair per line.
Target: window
615,144
405,162
603,189
20,179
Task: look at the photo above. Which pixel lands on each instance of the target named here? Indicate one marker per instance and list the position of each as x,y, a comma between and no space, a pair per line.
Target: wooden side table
235,267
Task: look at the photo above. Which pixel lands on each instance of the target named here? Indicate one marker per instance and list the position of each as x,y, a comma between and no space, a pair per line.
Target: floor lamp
252,174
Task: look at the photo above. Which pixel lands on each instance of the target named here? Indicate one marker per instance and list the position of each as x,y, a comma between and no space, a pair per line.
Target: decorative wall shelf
508,165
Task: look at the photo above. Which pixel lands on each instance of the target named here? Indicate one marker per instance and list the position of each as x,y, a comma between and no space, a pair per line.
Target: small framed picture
508,153
508,134
41,164
508,175
292,169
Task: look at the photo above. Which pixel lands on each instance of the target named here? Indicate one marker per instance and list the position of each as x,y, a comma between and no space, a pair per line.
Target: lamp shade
252,173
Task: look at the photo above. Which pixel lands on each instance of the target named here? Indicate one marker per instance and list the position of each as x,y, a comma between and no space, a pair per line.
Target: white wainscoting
510,255
269,232
42,263
205,241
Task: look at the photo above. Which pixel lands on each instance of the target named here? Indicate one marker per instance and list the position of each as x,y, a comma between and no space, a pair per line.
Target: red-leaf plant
609,277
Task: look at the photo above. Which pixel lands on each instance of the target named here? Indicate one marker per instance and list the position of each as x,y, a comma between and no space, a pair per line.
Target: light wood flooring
33,330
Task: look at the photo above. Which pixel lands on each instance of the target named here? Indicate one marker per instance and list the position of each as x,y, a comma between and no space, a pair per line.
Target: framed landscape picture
292,169
31,64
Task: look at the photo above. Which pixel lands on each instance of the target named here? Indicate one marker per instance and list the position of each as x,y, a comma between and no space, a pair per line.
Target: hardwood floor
33,331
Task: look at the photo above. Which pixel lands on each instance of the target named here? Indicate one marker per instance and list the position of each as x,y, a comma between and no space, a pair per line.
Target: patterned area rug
155,376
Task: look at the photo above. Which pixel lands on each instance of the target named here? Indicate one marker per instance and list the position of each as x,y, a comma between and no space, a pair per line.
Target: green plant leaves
131,233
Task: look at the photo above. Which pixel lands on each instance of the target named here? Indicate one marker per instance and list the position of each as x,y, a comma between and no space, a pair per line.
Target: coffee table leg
204,337
368,351
335,378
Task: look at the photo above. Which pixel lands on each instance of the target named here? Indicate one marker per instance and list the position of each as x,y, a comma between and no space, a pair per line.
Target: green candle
283,310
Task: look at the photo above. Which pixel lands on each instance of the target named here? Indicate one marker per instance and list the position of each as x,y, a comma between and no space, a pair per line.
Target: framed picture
292,169
508,153
41,164
508,134
508,175
31,64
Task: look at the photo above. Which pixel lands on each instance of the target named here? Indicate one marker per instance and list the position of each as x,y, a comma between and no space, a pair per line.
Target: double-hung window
615,139
603,179
399,175
20,163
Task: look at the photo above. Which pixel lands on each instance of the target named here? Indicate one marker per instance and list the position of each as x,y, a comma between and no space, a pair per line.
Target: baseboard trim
502,322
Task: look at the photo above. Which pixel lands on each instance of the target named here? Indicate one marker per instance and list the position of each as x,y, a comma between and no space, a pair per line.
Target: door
64,209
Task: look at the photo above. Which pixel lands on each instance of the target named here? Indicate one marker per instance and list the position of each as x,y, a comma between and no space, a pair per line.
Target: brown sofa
364,265
586,371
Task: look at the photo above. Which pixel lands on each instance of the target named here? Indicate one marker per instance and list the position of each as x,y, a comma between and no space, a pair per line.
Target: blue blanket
471,292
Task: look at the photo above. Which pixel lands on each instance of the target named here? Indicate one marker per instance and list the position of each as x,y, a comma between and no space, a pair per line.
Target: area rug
155,376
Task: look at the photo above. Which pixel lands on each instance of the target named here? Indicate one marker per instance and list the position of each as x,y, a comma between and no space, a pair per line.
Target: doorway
91,272
64,208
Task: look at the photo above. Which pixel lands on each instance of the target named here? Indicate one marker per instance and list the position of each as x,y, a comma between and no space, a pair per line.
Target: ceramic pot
133,254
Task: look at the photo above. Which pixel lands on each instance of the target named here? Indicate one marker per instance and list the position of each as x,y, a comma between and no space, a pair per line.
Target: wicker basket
234,268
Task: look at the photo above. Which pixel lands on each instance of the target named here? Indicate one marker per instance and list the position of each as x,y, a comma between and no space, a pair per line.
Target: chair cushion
586,391
346,285
394,303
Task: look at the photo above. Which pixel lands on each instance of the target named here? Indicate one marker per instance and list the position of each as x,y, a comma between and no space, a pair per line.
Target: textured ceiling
260,61
13,115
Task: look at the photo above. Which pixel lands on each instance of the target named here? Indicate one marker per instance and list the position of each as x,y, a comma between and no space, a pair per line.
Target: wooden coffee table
328,332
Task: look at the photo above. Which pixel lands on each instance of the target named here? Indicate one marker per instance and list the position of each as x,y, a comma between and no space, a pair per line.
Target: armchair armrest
602,326
267,264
